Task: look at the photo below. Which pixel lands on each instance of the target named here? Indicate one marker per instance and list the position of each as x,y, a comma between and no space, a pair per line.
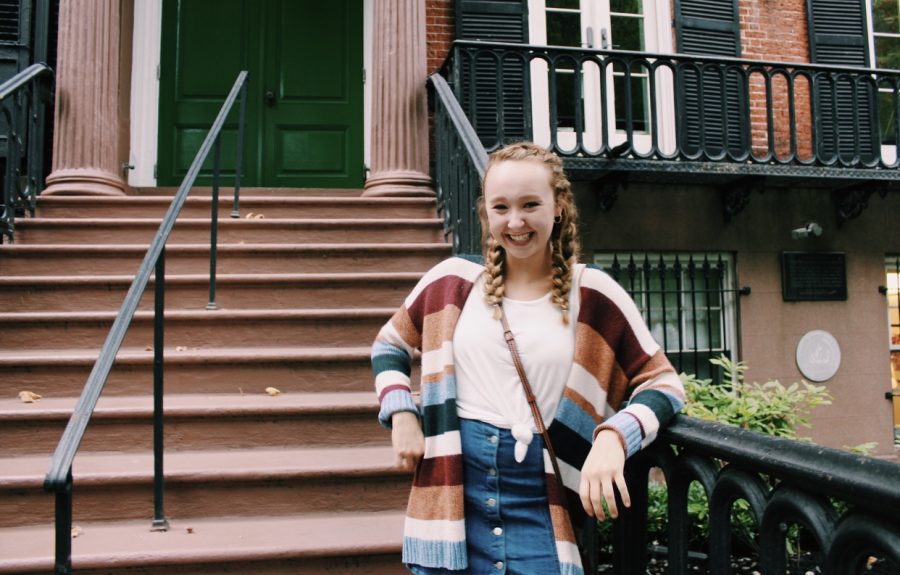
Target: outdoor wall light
810,229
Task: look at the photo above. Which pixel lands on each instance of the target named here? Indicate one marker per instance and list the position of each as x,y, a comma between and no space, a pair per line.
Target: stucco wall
689,218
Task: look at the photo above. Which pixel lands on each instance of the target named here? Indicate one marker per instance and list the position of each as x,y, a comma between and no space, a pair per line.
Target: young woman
484,497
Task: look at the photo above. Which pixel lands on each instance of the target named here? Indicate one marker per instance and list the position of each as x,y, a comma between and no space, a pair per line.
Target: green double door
304,109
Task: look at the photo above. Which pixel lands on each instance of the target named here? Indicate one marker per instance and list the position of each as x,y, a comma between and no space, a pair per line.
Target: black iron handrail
847,503
23,99
714,121
460,161
59,477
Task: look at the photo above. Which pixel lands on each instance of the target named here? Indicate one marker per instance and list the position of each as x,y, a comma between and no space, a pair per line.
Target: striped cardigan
615,359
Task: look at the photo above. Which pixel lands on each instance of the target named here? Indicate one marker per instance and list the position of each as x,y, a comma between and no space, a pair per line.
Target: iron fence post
238,165
214,227
63,562
159,519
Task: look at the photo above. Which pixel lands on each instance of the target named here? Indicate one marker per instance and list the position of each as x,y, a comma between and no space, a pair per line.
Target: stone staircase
296,482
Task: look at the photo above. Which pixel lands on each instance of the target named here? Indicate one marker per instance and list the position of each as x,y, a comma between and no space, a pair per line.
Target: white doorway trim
145,92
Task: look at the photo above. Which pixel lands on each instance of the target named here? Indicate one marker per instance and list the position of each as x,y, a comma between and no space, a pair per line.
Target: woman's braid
564,249
493,276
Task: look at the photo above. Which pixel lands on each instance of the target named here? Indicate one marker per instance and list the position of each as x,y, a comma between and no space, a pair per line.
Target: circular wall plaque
818,355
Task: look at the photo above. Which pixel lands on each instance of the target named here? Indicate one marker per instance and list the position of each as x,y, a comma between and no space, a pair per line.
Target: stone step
62,259
120,231
193,329
233,291
269,207
312,544
208,483
198,421
254,192
63,372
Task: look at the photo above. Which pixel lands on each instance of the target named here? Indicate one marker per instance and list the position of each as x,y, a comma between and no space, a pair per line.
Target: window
687,300
564,29
601,99
892,273
886,54
627,31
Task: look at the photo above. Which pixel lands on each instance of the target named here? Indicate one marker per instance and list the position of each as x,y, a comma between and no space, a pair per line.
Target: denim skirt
507,516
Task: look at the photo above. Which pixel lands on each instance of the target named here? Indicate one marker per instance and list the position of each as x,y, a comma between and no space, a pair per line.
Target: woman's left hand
603,469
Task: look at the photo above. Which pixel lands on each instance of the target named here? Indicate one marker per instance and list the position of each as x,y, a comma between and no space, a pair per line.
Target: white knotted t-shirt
488,388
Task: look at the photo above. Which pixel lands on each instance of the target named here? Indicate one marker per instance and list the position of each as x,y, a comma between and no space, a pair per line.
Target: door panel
307,55
314,128
195,34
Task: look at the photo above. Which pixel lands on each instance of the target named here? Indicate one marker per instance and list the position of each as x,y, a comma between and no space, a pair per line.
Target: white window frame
888,152
657,37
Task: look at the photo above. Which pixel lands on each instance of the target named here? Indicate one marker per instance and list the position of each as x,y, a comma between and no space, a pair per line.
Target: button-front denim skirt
507,516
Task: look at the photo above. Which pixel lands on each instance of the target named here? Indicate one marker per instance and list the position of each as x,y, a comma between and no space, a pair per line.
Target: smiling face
520,207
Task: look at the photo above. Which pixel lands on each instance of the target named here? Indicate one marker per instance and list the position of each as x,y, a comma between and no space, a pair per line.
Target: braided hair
564,245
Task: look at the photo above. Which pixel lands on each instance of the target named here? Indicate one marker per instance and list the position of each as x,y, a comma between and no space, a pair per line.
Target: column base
400,183
83,182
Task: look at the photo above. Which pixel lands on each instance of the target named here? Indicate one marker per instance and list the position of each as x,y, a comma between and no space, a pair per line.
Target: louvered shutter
838,35
493,87
721,119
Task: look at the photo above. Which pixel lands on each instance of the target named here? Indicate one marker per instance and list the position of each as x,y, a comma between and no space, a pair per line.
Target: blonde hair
564,246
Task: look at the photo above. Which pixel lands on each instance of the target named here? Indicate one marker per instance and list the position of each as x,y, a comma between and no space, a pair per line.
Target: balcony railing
846,504
606,110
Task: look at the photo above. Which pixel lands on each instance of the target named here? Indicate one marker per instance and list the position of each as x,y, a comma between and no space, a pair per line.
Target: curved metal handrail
23,78
59,476
460,162
22,102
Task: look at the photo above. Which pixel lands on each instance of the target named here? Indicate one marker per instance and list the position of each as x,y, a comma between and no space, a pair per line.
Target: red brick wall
776,31
439,30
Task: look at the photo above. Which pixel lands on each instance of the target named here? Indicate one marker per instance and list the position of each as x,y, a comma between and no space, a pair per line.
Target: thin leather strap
532,401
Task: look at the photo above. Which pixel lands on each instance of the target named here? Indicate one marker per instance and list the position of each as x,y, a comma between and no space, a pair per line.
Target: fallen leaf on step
249,215
180,348
273,391
190,530
148,348
76,531
259,217
29,396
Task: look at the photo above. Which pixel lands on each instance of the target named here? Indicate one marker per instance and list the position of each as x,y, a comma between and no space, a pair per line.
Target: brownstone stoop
298,480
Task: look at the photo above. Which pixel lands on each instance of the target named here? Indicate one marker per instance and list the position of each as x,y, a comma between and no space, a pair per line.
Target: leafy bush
769,408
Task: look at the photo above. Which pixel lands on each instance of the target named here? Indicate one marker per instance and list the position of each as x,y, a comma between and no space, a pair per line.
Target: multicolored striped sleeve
392,355
639,369
434,302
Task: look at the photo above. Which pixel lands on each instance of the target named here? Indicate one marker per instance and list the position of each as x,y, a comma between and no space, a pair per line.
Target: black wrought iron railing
846,505
59,476
460,161
608,109
24,100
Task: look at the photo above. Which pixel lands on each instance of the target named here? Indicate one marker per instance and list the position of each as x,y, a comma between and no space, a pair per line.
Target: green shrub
769,408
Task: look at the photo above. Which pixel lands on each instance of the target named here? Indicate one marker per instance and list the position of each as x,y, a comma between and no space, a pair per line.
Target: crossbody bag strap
532,401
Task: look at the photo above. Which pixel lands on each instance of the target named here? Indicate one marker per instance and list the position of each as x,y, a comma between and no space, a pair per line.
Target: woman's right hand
407,439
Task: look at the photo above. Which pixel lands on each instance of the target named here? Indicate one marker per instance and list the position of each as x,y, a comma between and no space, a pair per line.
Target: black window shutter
844,108
494,85
712,100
